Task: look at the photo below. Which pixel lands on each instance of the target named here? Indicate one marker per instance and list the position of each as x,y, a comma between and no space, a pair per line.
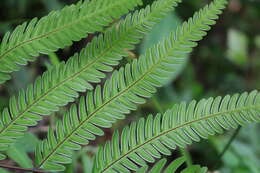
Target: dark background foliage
225,62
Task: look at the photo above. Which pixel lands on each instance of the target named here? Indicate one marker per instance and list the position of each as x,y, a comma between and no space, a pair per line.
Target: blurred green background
227,61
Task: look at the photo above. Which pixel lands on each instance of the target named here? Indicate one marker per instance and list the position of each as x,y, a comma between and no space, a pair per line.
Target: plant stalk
227,146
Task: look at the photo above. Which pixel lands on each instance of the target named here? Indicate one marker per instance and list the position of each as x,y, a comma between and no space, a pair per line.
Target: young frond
57,30
159,166
148,139
127,88
61,84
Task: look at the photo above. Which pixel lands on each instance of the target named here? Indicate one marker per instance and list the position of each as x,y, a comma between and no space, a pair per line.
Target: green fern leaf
61,84
127,87
57,30
148,139
171,168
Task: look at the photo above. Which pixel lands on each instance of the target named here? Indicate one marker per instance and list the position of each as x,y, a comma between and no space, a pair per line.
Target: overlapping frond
148,139
127,88
57,30
159,166
61,84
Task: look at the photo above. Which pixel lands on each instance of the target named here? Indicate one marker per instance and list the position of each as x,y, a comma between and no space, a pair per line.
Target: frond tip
146,140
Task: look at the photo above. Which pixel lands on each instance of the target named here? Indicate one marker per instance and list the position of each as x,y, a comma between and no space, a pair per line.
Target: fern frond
148,139
61,84
159,166
57,30
127,87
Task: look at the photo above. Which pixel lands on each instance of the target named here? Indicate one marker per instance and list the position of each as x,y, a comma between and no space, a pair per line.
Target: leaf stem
157,104
227,146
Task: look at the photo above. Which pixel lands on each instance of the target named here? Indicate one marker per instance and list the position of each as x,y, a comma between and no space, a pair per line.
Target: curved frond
148,139
127,88
61,84
159,166
57,30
